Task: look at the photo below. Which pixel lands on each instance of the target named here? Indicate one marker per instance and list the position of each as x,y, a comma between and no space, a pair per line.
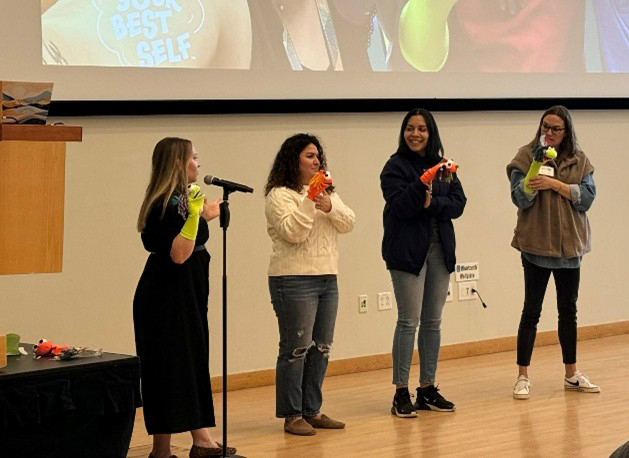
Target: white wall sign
466,271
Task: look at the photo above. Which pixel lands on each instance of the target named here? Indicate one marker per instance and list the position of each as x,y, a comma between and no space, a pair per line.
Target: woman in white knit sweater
302,280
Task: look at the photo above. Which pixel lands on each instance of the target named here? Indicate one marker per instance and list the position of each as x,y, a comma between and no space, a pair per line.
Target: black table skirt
79,408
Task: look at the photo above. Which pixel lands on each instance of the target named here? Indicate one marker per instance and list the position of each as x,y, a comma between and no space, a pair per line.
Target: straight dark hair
434,147
569,145
285,168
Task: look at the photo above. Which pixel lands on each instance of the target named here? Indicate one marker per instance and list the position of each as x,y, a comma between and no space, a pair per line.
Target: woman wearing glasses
552,233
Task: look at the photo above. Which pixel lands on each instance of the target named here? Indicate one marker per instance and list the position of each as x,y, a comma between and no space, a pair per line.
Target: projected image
503,36
466,36
493,35
309,36
147,33
323,35
533,36
612,17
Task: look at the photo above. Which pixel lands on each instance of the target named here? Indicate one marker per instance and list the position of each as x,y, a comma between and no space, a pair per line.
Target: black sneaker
428,398
402,405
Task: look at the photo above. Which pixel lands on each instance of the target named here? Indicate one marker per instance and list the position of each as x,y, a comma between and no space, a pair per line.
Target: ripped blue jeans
305,306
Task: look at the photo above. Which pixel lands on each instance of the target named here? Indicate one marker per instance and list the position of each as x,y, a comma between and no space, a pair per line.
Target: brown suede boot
325,422
299,427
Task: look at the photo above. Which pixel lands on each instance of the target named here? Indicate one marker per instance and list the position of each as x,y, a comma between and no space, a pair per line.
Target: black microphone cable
474,290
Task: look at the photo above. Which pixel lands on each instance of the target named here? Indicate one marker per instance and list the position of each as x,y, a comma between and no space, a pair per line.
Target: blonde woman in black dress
171,302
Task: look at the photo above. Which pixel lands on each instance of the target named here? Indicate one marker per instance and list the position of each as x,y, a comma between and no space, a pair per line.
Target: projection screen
102,50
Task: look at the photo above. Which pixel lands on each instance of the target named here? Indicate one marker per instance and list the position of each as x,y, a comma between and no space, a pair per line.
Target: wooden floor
487,422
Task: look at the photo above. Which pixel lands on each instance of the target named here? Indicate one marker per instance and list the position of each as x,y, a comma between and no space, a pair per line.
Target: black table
79,408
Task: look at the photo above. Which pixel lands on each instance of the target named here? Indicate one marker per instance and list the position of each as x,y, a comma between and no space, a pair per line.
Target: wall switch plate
385,301
449,296
362,303
466,290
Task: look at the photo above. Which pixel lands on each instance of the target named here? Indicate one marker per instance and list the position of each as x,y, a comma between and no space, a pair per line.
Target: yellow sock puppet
539,155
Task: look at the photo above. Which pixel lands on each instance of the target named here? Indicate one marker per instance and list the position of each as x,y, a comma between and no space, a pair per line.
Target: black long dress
171,328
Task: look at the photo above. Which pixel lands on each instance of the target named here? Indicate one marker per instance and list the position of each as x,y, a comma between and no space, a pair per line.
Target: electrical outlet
385,302
466,292
449,296
362,303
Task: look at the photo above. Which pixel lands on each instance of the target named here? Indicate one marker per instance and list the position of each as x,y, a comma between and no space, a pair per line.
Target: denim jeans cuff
311,414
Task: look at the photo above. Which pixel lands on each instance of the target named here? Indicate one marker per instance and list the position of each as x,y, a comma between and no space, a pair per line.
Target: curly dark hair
285,169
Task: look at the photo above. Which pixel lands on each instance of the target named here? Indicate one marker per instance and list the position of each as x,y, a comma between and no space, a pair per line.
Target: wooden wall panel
32,175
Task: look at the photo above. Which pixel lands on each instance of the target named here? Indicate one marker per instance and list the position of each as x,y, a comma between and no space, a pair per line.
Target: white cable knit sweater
304,238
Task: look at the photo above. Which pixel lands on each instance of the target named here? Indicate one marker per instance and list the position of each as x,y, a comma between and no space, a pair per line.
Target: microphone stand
224,223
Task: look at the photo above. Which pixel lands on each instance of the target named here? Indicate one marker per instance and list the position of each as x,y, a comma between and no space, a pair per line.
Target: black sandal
201,452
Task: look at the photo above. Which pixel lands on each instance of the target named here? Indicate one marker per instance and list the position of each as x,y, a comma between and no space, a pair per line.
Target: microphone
227,185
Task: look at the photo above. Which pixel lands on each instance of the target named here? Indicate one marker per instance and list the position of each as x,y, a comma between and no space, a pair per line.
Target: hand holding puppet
540,154
319,183
446,166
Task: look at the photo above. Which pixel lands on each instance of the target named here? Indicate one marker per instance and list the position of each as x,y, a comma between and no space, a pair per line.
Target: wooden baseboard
383,361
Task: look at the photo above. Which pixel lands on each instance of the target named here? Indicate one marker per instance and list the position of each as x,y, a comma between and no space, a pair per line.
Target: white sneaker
580,382
521,388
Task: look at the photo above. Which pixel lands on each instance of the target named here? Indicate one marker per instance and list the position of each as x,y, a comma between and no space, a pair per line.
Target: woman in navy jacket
419,250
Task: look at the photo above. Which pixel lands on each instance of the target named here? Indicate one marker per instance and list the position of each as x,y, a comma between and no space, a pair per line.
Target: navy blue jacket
407,226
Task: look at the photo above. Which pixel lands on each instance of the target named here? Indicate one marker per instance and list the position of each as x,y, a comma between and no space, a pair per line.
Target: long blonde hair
168,174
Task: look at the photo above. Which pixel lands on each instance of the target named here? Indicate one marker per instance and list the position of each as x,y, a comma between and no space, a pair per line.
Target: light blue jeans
305,306
420,300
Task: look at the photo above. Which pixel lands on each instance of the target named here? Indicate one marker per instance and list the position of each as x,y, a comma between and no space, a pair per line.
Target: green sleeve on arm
191,226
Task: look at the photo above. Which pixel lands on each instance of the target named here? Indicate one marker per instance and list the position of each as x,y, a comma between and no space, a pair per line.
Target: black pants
535,283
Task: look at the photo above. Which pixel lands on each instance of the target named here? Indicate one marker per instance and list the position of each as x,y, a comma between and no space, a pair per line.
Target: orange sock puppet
45,348
446,166
319,183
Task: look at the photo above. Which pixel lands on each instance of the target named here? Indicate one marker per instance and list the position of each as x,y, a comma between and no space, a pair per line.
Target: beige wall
90,302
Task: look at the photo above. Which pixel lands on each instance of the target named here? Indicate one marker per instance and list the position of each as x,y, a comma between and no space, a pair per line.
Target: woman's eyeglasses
555,129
